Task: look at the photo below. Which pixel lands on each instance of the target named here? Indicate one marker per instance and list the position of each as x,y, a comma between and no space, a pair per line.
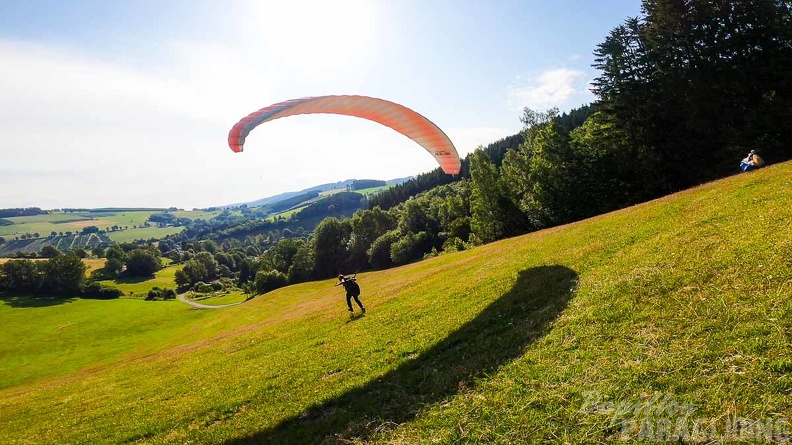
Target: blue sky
129,103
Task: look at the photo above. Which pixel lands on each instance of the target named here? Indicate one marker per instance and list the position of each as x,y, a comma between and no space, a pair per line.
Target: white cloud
77,131
101,134
551,88
80,130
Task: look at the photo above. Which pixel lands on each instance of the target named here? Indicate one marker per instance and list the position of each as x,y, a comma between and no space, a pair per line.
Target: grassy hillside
668,314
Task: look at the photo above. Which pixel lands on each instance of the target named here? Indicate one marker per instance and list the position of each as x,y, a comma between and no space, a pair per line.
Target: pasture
128,222
139,287
532,339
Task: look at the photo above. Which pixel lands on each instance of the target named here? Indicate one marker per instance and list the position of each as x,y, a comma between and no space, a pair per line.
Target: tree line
21,211
63,274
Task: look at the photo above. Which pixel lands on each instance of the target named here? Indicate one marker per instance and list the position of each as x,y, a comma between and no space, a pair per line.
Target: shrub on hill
410,247
49,252
143,262
270,280
160,294
99,291
202,288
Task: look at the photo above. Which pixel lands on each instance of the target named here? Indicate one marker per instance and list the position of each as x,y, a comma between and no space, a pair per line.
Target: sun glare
309,34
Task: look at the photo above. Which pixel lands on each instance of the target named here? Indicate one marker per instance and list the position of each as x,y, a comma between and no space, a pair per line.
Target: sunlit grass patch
219,298
138,287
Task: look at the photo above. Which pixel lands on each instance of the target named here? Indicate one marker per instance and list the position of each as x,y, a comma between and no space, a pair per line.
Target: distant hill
317,188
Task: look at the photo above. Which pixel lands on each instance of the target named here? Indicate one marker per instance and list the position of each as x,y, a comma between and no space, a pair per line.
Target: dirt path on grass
204,306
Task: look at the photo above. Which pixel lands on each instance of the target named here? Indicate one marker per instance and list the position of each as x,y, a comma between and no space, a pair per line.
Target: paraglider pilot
352,291
751,162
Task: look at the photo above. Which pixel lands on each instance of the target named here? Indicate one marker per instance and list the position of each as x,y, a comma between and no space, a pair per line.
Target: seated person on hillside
751,162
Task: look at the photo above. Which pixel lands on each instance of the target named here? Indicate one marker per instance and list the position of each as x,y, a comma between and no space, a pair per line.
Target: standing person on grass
352,291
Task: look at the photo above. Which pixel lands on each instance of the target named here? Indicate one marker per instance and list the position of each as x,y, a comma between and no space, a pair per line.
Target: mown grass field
529,340
367,191
195,214
373,190
42,338
144,233
93,264
73,222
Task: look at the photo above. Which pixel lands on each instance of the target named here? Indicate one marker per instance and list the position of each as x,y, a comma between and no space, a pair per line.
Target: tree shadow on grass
497,336
33,300
129,279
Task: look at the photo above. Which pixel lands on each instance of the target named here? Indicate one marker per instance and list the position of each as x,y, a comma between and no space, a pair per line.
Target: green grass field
139,287
373,190
195,214
75,222
368,191
71,222
144,233
561,336
43,338
219,300
287,213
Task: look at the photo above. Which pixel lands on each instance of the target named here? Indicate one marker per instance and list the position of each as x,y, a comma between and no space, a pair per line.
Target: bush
100,291
182,279
410,247
453,244
153,294
202,288
142,263
270,280
113,267
216,285
431,253
379,254
160,294
228,283
49,252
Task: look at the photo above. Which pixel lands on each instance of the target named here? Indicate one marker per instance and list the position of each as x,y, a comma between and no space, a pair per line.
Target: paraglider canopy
398,117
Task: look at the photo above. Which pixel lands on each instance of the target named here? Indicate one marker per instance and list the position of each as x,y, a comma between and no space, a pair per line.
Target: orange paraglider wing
398,117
